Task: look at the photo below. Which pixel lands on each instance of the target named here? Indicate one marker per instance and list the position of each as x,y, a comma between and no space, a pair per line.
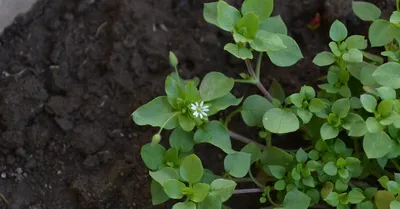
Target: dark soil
72,72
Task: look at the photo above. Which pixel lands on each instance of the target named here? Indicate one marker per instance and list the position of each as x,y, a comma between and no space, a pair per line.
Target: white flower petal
196,114
204,114
193,107
197,104
201,116
205,109
202,103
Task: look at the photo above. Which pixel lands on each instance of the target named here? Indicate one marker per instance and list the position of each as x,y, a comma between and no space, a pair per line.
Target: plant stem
258,66
248,191
271,201
166,122
244,139
356,147
250,68
255,181
230,116
256,77
246,81
264,91
397,5
396,165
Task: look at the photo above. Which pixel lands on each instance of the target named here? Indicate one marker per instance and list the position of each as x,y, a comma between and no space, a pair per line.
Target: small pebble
19,170
3,175
58,172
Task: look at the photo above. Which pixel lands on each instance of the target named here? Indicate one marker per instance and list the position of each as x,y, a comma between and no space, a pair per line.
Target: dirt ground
72,72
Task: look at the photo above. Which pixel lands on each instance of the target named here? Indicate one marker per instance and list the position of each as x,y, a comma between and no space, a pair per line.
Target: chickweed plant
352,121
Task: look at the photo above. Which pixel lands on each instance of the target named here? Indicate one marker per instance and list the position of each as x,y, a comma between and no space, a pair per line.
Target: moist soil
72,72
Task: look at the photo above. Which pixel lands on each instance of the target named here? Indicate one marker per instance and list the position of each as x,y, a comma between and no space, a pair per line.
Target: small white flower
199,110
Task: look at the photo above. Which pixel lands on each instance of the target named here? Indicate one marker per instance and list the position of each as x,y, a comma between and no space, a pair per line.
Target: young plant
352,122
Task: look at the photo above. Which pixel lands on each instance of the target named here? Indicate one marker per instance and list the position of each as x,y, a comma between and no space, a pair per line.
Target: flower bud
156,139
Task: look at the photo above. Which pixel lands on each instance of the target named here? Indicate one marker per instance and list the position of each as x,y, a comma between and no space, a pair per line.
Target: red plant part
315,22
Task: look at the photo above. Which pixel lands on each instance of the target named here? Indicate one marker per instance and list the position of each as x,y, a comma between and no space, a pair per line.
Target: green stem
258,66
271,201
230,116
166,122
396,165
259,85
397,5
356,147
244,139
269,141
255,181
252,81
3,198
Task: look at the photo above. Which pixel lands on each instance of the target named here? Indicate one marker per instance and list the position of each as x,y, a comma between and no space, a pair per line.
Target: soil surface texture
72,72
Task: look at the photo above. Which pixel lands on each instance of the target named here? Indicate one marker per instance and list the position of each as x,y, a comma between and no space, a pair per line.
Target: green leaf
164,174
200,192
335,49
208,176
191,92
212,201
365,205
356,42
355,103
316,105
247,26
353,55
222,103
301,156
366,11
182,140
330,169
395,17
237,164
158,195
377,145
157,113
227,16
262,8
314,195
210,12
277,91
384,181
386,93
338,31
373,125
358,129
308,181
297,99
214,133
388,75
238,51
368,102
184,205
277,171
340,146
327,189
332,199
341,107
385,108
296,200
253,110
275,156
280,121
324,59
186,122
266,41
274,25
383,199
173,188
215,85
191,169
381,32
254,150
395,204
280,185
304,114
171,157
152,155
223,188
343,173
173,89
328,131
370,192
288,56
